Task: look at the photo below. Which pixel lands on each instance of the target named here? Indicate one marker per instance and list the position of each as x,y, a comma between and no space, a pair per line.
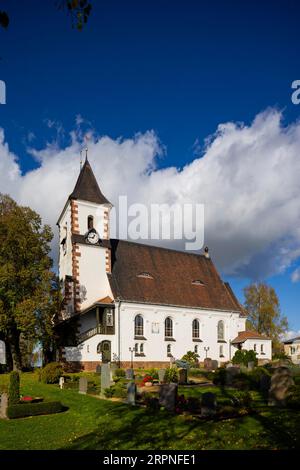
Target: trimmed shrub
171,375
14,388
34,409
120,373
117,391
51,372
243,357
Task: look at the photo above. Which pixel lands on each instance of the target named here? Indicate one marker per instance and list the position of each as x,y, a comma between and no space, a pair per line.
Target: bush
242,399
220,377
171,375
117,391
14,388
191,357
51,372
34,409
242,381
293,399
120,373
243,357
153,373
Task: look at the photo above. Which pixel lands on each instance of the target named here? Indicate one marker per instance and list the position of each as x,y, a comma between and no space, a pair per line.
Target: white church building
139,304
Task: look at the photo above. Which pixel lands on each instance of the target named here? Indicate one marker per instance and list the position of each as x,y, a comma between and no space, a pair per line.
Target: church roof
87,188
244,335
160,276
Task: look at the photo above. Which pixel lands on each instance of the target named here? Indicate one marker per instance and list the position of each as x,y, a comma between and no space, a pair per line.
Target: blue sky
179,68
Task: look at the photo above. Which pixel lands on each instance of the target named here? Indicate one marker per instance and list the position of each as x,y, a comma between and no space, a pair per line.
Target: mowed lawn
91,423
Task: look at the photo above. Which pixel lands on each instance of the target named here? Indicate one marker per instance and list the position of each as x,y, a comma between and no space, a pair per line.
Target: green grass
91,423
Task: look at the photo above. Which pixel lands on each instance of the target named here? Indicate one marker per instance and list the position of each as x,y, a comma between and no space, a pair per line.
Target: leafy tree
264,315
190,357
79,11
242,356
28,287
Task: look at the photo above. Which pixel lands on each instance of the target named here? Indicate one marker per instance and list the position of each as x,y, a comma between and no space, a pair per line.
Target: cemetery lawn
91,423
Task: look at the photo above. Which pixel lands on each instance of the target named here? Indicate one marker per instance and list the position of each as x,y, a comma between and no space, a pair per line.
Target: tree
264,315
28,288
79,11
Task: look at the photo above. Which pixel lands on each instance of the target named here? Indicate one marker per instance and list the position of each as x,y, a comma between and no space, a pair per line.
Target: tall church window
196,329
169,350
90,222
138,326
168,327
221,330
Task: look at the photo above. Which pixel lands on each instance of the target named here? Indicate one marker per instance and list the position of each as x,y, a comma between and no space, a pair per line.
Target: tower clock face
92,237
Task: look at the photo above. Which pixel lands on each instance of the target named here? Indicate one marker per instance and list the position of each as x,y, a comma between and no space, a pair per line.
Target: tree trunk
9,359
14,342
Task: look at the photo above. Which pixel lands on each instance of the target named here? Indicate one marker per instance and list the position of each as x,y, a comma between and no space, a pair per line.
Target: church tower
84,255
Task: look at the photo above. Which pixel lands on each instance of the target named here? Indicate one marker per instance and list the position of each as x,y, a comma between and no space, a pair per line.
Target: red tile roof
172,275
244,335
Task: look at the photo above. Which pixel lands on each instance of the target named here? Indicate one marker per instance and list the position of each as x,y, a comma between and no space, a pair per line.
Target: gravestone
98,369
105,377
250,365
83,385
182,376
168,395
208,404
2,352
129,374
61,382
131,393
3,405
231,373
229,364
208,363
161,375
264,385
113,368
214,364
281,381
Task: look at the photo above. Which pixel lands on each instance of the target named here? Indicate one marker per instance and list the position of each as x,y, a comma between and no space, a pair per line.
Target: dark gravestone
105,377
208,404
161,375
281,382
231,373
208,363
214,364
83,385
264,385
251,365
168,395
3,405
182,376
131,393
129,374
98,369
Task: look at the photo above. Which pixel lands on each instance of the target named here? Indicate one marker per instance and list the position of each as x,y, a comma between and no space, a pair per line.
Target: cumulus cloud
295,276
291,334
247,176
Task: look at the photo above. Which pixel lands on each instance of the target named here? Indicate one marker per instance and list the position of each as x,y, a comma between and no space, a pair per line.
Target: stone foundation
90,366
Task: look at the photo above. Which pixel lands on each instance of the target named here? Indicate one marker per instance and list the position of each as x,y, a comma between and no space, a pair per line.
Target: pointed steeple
86,187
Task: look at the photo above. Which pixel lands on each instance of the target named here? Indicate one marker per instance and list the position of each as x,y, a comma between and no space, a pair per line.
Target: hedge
34,409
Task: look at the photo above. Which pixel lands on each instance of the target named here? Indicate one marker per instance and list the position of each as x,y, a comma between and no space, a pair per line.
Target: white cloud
247,177
295,276
291,334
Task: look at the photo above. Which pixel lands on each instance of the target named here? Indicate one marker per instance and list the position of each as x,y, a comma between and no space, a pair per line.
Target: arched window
169,350
254,347
196,329
141,348
221,351
196,349
262,349
90,222
99,348
138,325
136,349
168,327
220,330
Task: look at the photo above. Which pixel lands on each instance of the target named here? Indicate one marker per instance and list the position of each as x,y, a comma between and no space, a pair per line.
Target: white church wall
253,344
155,345
93,279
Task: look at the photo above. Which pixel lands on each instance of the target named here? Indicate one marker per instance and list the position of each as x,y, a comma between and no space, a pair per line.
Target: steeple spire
86,187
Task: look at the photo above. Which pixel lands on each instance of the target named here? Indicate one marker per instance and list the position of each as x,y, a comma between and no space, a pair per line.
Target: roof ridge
161,248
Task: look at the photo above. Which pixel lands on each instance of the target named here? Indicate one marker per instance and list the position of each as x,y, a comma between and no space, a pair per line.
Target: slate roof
244,335
87,188
171,278
292,340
